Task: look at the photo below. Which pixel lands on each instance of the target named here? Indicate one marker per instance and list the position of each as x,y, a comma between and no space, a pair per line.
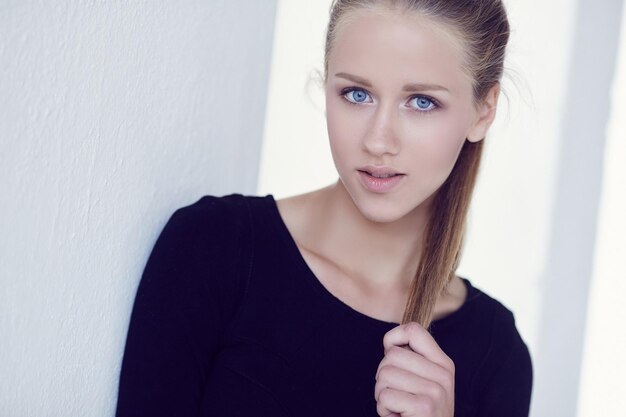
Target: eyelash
435,103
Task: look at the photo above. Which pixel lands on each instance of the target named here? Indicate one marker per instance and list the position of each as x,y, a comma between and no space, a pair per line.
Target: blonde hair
483,28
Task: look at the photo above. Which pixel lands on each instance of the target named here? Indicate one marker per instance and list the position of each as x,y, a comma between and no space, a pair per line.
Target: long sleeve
508,389
188,293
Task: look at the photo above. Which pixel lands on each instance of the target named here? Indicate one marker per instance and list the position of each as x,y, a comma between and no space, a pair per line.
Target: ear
485,115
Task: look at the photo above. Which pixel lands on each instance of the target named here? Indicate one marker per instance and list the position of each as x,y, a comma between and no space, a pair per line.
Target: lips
380,176
381,180
380,171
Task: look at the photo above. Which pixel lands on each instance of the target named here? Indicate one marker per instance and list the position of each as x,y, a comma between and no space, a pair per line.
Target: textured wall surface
113,114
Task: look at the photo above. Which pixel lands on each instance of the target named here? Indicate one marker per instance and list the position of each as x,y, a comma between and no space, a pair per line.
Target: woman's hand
415,380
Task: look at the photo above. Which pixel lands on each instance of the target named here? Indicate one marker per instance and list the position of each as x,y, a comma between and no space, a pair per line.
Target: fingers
420,341
394,403
399,379
417,364
415,377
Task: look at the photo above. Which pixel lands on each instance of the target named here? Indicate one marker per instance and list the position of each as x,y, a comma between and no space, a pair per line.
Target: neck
382,256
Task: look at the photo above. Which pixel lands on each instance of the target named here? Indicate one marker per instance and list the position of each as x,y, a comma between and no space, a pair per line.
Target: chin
378,218
381,208
381,211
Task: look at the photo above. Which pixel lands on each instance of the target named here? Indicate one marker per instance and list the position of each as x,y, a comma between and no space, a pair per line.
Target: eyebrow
407,87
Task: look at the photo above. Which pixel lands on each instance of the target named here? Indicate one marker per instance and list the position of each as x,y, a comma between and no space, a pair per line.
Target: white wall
532,225
602,382
566,279
113,114
295,154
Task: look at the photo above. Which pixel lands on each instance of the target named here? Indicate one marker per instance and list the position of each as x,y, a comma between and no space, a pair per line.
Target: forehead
389,48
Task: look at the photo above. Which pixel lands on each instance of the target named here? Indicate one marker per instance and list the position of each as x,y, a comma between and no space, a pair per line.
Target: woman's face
397,97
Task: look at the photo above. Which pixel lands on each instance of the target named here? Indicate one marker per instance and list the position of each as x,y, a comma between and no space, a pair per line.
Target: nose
381,137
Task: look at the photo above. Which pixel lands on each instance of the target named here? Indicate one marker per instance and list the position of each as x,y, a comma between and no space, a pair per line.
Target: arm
183,302
507,392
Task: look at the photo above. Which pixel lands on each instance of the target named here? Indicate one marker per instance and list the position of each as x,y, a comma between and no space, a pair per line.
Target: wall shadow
578,188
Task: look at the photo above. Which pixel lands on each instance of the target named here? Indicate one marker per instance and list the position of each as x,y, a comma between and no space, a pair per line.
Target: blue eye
358,96
424,104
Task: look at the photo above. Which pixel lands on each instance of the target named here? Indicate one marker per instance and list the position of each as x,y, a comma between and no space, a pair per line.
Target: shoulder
500,320
493,364
202,242
199,265
216,221
479,310
506,360
491,323
482,335
504,376
213,229
211,211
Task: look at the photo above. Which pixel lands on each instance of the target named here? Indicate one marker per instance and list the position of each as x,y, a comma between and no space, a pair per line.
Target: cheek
434,149
345,129
442,143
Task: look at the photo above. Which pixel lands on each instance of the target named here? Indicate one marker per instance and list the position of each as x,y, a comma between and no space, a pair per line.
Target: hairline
448,30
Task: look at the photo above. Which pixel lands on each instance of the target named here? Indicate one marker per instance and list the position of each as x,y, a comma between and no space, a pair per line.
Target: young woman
344,300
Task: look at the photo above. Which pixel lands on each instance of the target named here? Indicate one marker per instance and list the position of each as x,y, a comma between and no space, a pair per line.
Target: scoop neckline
317,285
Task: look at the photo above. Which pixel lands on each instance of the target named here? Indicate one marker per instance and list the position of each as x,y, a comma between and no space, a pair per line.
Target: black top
229,320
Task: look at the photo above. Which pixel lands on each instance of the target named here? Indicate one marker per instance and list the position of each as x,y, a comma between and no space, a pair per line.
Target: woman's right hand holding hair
415,378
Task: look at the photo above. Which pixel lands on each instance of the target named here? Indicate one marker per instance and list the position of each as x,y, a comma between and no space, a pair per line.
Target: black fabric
229,320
